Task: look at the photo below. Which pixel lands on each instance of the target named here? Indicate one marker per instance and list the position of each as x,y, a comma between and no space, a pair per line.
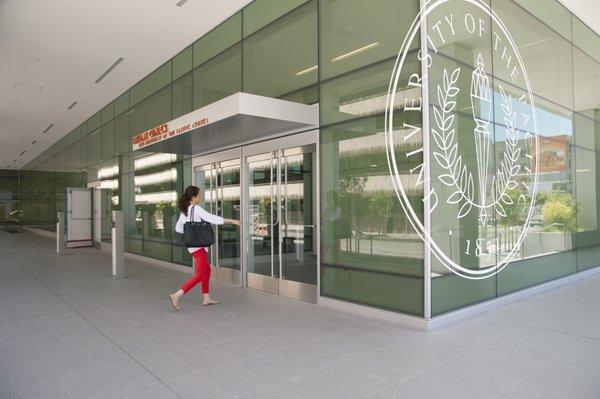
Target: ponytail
186,198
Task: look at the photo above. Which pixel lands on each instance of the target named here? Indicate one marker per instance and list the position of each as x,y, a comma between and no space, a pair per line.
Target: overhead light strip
307,70
181,2
21,154
33,142
109,70
72,105
48,128
354,52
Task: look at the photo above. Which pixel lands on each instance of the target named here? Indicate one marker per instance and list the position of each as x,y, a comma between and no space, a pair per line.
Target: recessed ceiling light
72,105
48,128
109,70
180,3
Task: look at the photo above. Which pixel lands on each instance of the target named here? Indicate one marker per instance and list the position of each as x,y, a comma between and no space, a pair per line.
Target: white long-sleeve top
199,215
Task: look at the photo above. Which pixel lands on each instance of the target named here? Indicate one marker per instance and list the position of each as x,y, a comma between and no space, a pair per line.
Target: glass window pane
355,33
260,13
270,69
94,122
157,190
108,112
151,112
108,140
94,146
150,84
122,142
586,39
551,12
217,78
182,96
369,252
122,103
547,56
9,189
182,63
588,209
586,77
222,37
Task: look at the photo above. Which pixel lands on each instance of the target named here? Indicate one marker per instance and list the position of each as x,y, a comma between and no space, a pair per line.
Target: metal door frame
225,274
287,288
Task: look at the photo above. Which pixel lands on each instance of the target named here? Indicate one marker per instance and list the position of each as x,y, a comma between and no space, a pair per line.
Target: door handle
309,225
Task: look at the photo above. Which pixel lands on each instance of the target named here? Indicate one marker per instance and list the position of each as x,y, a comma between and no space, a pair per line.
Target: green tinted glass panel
108,140
150,84
270,68
588,209
122,140
108,112
182,63
151,112
217,40
74,156
122,103
84,151
94,122
260,13
94,146
587,92
361,93
364,257
547,56
355,33
181,96
73,136
217,78
550,12
526,273
586,39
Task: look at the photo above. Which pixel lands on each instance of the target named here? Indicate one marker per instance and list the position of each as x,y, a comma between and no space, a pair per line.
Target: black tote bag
197,234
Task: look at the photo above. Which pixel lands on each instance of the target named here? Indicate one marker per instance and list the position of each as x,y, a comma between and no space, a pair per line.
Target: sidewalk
68,330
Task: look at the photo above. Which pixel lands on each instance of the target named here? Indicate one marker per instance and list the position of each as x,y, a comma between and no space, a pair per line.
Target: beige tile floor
68,330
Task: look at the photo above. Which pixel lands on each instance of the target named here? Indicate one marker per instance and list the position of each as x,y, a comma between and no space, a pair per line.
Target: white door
79,217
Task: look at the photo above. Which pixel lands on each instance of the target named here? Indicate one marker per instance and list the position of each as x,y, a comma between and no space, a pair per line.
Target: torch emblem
481,106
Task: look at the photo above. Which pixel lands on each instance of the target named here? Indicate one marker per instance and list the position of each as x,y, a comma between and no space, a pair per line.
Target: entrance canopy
238,119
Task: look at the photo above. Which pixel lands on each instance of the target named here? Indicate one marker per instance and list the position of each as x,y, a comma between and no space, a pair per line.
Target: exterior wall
340,53
33,198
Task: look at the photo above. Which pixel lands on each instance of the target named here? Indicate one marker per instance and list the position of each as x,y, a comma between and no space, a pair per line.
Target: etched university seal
481,170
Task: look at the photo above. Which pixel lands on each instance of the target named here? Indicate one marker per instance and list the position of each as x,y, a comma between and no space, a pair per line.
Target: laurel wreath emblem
457,175
509,166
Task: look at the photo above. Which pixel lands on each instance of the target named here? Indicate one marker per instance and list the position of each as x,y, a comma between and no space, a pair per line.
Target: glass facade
341,55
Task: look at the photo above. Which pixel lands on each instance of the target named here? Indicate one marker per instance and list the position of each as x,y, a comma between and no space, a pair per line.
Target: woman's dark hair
186,198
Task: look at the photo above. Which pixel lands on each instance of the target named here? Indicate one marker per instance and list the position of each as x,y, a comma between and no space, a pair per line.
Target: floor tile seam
100,331
33,317
515,383
10,381
408,376
57,375
567,333
111,381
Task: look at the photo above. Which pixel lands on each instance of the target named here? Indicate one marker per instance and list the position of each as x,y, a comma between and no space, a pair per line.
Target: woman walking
189,199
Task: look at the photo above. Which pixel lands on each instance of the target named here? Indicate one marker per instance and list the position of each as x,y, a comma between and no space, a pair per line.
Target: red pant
202,272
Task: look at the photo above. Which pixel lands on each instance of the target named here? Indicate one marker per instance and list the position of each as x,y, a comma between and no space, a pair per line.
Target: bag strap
192,214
